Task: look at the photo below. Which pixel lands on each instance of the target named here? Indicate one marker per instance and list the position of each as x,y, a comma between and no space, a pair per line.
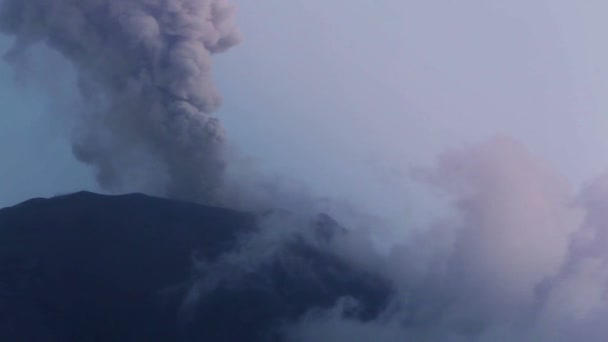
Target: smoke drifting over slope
144,68
523,260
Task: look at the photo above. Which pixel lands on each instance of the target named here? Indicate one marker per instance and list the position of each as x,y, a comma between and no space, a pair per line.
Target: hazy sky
499,106
347,95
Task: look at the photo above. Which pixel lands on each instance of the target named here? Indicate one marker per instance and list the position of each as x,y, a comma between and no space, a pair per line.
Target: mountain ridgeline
88,267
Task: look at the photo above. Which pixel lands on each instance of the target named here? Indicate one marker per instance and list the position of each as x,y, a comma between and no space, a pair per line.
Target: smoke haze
523,259
498,238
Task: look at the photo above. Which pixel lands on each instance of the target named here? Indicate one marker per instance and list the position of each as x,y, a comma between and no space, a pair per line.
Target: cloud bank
522,259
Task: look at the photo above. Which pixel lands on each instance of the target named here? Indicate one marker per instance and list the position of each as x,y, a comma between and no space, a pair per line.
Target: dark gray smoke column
144,70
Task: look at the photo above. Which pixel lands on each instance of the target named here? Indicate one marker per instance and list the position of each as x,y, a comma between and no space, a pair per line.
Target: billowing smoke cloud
524,259
144,68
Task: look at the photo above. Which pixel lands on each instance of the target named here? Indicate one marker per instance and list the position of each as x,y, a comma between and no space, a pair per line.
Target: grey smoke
144,69
524,259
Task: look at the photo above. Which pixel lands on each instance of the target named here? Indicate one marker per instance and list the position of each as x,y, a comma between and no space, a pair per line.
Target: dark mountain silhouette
87,267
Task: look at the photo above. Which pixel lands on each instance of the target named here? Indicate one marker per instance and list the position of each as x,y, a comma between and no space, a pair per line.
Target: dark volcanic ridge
89,267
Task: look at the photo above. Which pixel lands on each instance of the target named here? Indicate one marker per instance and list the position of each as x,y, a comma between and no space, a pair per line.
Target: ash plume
144,70
523,258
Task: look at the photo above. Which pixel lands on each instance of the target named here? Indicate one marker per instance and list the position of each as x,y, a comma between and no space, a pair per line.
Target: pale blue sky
346,95
36,159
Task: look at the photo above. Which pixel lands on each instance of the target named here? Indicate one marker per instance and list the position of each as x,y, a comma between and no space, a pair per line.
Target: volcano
90,267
